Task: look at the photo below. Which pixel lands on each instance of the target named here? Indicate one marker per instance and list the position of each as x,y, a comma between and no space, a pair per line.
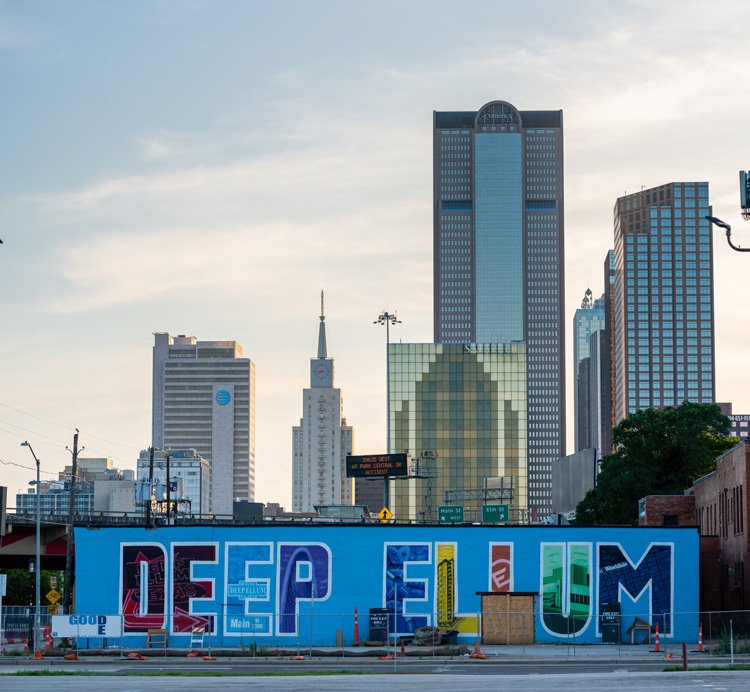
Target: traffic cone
356,628
403,649
700,637
38,655
477,653
656,639
297,658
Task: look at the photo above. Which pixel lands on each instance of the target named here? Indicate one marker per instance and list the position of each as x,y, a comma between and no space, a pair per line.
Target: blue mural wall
280,585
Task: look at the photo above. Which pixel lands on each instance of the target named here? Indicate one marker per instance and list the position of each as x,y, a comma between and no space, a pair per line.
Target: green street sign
451,513
494,514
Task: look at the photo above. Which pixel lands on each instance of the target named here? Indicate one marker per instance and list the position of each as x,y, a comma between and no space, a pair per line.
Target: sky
206,168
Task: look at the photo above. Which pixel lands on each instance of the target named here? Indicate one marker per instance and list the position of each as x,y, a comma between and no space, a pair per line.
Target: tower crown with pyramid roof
321,368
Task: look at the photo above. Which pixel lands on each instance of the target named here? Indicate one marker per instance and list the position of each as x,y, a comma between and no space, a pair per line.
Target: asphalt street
731,681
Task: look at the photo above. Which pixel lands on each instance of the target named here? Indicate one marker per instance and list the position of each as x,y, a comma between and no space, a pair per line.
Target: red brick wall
659,506
723,509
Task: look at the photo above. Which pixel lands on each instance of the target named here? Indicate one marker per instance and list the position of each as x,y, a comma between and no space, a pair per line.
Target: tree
20,586
658,452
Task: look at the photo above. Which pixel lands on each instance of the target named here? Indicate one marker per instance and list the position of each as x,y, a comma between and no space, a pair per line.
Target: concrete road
729,681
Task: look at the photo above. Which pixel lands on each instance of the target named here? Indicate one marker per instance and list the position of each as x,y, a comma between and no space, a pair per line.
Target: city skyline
141,206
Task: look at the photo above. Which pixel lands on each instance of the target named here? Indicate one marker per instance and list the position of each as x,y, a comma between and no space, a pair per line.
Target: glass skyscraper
464,405
498,255
662,313
588,320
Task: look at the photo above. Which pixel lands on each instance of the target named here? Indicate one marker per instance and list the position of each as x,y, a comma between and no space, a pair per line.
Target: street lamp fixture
387,319
723,224
37,562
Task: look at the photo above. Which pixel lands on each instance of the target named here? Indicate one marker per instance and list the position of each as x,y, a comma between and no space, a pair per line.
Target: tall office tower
464,407
498,255
204,399
606,358
663,303
588,320
322,439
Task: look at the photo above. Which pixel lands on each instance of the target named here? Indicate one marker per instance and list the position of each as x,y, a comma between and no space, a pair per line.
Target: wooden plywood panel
507,618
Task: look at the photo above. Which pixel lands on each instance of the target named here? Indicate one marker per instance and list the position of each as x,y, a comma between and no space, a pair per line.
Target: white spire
322,351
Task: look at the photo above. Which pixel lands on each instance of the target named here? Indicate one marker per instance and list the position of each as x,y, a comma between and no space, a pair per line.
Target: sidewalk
538,653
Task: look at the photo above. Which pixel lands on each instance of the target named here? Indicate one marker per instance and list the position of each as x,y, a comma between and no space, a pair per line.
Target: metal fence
716,630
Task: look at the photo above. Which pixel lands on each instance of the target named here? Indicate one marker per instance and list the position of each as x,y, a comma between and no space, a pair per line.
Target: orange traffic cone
656,639
356,628
700,637
477,653
38,655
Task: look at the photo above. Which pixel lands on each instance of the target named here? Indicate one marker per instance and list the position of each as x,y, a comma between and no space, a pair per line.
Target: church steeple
322,351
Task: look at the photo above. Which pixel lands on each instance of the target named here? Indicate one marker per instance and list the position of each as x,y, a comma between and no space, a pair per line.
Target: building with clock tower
322,439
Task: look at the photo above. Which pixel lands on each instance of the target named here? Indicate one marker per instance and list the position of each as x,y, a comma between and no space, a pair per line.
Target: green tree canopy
658,452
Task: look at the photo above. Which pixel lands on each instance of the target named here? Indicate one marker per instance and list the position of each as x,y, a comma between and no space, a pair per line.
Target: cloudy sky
207,168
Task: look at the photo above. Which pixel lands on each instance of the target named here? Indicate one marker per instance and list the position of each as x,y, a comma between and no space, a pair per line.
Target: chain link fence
309,633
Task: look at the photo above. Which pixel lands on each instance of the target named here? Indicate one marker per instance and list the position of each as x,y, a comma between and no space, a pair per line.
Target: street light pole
38,565
387,319
723,224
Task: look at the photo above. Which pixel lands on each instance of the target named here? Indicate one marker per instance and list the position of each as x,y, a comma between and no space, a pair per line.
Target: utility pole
150,486
69,576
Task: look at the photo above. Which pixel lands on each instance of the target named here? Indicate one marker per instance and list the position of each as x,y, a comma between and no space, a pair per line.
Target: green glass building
460,410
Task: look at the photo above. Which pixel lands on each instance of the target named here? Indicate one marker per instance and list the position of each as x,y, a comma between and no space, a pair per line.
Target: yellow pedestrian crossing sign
53,596
385,515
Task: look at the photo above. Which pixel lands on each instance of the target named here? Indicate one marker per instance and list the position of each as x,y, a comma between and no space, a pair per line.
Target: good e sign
86,625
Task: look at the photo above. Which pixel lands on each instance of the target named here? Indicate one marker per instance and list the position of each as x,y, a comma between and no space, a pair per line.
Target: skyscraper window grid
664,322
510,285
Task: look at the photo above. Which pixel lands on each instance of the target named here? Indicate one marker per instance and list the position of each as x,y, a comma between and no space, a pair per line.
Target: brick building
718,504
721,505
667,510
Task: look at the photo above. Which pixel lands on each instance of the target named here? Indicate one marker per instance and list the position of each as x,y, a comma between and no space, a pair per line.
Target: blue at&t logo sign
223,397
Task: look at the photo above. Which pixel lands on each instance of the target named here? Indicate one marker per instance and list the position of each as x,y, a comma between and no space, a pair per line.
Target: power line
29,430
60,425
31,415
30,468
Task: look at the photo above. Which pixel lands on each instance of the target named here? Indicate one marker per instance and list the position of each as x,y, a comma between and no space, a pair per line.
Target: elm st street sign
494,514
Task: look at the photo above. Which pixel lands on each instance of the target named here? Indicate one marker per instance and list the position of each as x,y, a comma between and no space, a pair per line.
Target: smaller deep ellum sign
86,625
